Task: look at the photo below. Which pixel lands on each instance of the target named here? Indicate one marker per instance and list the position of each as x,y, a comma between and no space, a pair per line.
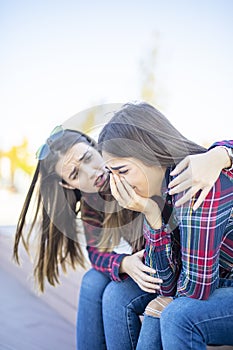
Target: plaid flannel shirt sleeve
105,262
158,256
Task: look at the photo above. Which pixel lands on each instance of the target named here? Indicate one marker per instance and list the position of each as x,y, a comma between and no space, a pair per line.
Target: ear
68,187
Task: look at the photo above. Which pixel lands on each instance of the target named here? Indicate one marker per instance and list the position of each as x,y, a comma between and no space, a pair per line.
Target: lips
100,180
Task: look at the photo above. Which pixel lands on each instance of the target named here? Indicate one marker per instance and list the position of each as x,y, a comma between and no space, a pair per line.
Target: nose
94,170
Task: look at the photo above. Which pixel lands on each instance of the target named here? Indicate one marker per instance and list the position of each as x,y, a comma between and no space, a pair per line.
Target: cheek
83,183
141,179
131,179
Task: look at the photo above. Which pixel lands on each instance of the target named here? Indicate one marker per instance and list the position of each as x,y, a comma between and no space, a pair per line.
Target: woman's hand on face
129,199
196,172
125,194
137,270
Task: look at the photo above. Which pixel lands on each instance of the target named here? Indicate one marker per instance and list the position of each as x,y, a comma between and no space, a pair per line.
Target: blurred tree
20,158
150,91
89,122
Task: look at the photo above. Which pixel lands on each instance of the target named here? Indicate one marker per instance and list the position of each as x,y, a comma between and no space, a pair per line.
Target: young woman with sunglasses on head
68,184
191,248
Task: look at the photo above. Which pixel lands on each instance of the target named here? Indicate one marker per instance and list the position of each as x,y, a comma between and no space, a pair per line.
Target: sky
59,58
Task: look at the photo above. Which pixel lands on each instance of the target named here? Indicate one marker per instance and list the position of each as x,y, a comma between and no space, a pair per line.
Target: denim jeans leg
192,324
150,337
123,303
90,331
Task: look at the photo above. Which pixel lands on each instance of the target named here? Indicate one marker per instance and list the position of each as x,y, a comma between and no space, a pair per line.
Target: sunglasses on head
44,150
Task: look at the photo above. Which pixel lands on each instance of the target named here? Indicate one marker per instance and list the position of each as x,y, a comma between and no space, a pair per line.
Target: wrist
123,265
227,157
153,214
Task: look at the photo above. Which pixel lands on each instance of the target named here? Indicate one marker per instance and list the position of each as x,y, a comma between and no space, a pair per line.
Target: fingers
148,269
201,197
181,166
143,275
186,197
119,191
149,288
140,254
179,179
189,194
148,283
144,267
113,187
180,187
120,186
128,188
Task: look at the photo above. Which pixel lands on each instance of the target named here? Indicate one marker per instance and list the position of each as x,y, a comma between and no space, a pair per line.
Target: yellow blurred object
19,158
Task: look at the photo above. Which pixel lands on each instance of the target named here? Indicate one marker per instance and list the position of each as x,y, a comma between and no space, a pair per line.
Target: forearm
158,256
107,263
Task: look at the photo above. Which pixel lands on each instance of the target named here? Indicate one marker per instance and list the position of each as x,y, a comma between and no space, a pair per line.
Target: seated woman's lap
123,303
90,330
209,321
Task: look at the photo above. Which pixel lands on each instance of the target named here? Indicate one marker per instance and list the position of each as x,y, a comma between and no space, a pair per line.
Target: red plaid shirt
206,242
92,217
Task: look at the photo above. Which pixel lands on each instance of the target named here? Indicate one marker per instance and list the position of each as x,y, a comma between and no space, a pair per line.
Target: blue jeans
108,313
188,323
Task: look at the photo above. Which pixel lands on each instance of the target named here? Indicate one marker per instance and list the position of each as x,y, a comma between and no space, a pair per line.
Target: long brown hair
120,223
55,211
138,130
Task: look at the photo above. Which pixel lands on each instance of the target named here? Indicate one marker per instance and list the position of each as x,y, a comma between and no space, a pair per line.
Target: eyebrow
117,167
80,159
72,172
84,155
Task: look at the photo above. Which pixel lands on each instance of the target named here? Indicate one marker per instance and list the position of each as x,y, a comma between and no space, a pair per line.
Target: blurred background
59,58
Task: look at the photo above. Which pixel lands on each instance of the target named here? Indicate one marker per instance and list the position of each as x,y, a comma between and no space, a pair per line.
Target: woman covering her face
71,193
190,250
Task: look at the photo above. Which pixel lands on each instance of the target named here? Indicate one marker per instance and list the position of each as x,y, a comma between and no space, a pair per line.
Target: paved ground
29,321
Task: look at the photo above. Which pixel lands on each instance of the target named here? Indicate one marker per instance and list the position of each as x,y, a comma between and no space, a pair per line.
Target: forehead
113,161
73,155
76,151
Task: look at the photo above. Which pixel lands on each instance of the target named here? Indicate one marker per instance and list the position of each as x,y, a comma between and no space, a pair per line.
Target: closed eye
75,175
88,156
123,171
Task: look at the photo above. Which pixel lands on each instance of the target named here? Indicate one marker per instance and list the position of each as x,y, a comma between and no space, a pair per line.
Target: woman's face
82,167
145,180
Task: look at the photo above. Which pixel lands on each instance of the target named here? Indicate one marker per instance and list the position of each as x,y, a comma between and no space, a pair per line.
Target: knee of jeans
116,296
111,295
93,284
175,314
